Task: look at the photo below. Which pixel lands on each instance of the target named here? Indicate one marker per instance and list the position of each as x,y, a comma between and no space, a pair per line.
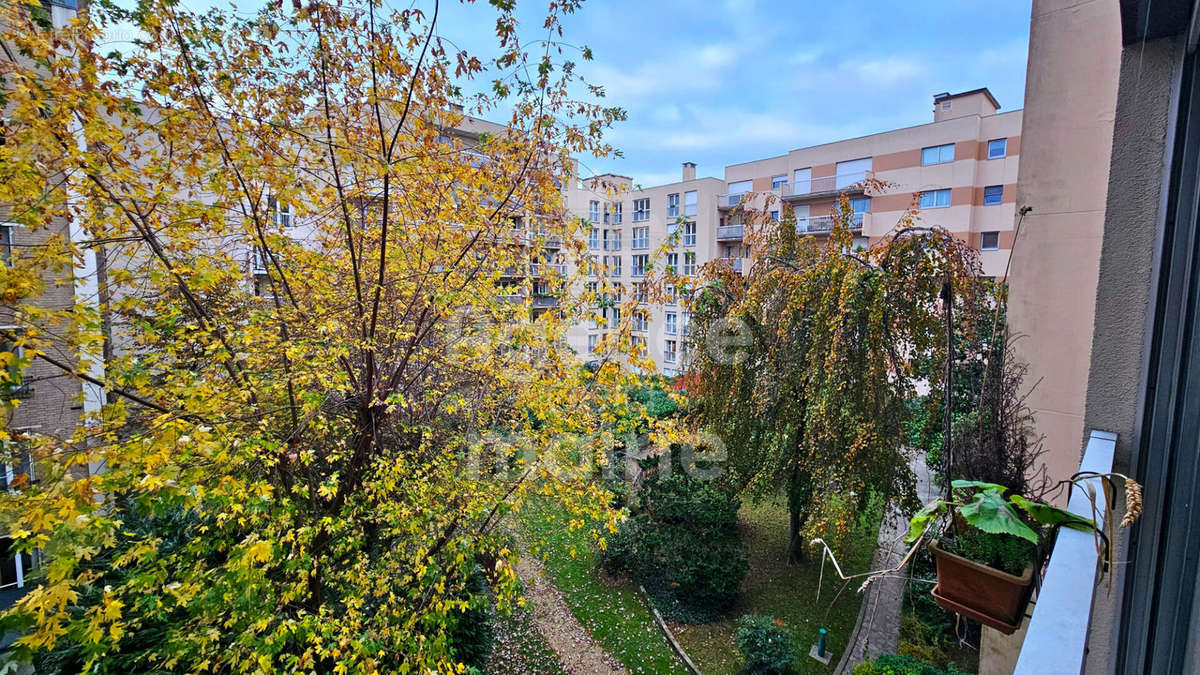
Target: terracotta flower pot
976,591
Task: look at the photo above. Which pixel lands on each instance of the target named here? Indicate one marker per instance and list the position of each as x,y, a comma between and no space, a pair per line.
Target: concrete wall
1126,289
1066,141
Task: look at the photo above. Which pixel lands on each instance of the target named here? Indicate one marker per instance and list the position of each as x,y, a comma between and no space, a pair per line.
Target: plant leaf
1052,515
980,485
931,511
993,514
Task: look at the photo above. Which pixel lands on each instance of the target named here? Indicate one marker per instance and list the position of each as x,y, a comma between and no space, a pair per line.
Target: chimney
689,171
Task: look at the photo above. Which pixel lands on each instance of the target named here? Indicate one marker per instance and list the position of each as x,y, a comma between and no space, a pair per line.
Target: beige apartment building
961,169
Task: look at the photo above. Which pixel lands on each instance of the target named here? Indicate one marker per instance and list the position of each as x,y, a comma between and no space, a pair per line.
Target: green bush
473,631
767,649
899,664
658,403
682,542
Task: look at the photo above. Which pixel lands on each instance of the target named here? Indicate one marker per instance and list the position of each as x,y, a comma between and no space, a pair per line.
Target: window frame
1003,148
998,190
983,237
934,193
940,150
641,209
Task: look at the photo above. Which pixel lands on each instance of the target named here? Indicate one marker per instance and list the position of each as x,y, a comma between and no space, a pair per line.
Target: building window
592,341
935,199
946,105
993,194
641,238
738,188
673,205
689,263
15,566
13,385
639,291
616,213
689,234
937,154
684,322
280,212
989,241
669,323
594,238
673,263
670,292
775,215
638,344
594,211
613,264
612,240
802,181
639,265
689,203
641,322
641,210
669,351
997,148
6,241
778,181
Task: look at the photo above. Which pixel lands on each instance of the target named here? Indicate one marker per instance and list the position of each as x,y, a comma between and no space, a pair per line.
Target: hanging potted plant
992,543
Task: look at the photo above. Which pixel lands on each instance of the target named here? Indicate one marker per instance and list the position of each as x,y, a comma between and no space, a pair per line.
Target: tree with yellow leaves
308,310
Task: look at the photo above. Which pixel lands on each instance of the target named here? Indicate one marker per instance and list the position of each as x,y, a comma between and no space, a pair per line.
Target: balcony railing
258,261
824,185
730,232
728,201
1057,634
735,263
817,224
540,269
544,301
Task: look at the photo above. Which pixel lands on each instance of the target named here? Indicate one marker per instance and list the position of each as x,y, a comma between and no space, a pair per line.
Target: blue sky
724,81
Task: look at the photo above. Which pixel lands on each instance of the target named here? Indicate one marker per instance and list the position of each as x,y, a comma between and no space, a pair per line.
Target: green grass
519,649
787,592
613,611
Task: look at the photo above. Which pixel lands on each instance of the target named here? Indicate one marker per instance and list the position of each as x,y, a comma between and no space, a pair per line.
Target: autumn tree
287,480
804,366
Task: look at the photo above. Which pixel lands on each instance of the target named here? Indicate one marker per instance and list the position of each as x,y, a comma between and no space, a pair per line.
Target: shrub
658,403
899,664
471,638
620,555
767,649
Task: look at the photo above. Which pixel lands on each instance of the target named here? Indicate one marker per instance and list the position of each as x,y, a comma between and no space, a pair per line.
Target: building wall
1066,139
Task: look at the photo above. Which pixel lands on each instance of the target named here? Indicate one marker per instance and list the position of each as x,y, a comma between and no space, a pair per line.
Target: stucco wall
1126,288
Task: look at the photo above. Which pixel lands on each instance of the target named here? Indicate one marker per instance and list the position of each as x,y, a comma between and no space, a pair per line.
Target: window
593,324
672,228
997,148
669,351
639,291
6,241
989,241
684,322
669,323
639,265
802,181
594,211
859,206
638,344
946,105
279,212
612,240
616,213
689,235
594,238
689,203
12,386
778,181
689,263
673,205
15,566
641,238
613,263
935,199
993,194
775,215
670,292
740,187
592,341
851,172
673,262
937,154
641,322
641,210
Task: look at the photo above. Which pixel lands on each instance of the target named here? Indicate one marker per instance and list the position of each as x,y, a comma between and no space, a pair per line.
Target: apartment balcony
543,269
822,224
543,301
728,201
735,263
731,232
824,186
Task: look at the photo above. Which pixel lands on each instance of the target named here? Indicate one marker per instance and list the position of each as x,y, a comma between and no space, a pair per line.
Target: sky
718,82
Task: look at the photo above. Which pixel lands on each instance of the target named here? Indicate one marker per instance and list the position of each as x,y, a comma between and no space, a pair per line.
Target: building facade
960,169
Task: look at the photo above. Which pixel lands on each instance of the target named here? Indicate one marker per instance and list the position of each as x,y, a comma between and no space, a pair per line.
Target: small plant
902,664
766,647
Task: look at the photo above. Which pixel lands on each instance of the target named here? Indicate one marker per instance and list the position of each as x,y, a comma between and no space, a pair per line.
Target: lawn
612,611
785,592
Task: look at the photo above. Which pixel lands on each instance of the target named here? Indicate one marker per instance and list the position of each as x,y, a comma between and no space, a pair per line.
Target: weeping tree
805,365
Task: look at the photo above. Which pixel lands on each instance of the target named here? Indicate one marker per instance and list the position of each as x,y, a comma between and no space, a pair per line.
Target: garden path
579,653
878,629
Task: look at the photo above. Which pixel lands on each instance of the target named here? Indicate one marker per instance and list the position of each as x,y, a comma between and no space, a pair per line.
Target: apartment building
960,169
634,230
